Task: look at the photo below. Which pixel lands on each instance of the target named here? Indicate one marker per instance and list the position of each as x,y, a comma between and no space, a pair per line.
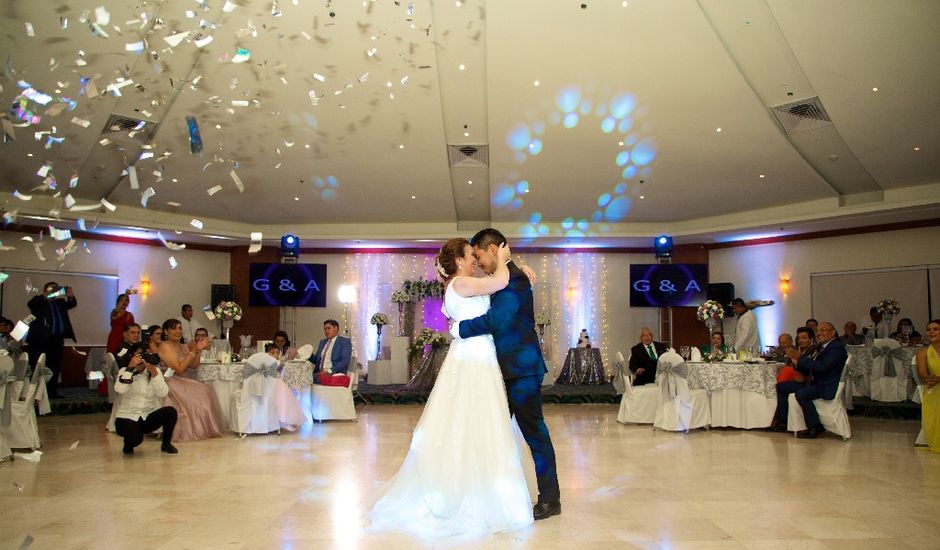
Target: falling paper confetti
170,245
173,265
81,122
255,246
195,142
60,234
4,277
203,42
74,446
22,197
145,196
174,40
229,6
108,205
241,55
214,190
29,29
238,182
132,176
196,223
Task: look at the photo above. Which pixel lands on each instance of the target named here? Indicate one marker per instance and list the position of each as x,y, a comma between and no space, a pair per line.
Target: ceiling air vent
134,128
468,155
803,115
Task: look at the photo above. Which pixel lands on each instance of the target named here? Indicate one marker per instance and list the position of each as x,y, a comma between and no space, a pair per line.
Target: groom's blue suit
511,321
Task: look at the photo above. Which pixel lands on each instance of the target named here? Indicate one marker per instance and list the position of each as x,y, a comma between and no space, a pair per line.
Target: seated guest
851,336
289,412
906,326
141,384
805,342
928,368
643,357
823,372
154,338
201,332
200,416
284,349
7,341
811,323
333,353
717,344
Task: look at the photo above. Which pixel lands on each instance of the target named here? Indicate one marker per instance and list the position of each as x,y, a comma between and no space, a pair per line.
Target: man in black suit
643,357
822,371
50,328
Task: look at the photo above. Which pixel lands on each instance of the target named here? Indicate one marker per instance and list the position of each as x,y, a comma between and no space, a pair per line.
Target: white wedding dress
463,474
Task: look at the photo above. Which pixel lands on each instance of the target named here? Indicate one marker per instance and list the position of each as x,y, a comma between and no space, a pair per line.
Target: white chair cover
889,375
849,384
637,404
110,373
619,374
679,408
23,432
95,363
7,383
832,413
918,398
253,407
336,402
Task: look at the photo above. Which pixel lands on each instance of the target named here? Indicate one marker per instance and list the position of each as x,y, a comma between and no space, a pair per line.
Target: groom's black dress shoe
544,510
811,433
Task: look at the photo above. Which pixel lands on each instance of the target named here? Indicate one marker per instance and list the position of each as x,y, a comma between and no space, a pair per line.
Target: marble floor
622,487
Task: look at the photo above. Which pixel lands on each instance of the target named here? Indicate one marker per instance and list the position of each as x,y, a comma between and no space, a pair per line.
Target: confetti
60,234
196,223
214,190
208,311
29,29
26,542
44,171
108,205
202,42
135,46
22,197
80,222
145,196
132,176
18,486
174,40
195,142
73,182
37,247
171,245
241,55
173,265
319,77
73,446
255,246
229,6
238,181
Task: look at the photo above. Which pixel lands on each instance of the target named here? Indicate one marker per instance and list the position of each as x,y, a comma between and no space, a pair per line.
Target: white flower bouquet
379,319
888,306
710,309
228,311
543,319
400,297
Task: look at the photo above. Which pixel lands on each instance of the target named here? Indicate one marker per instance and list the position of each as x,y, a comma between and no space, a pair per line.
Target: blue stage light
290,246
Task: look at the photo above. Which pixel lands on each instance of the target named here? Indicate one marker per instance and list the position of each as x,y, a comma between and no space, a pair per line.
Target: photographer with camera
50,328
142,386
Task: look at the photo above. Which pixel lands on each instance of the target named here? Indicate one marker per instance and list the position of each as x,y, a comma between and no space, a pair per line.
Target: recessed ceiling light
306,146
29,154
461,66
458,3
875,89
402,146
218,126
466,134
469,182
620,143
175,180
761,176
536,83
917,148
642,197
624,3
296,198
718,129
414,197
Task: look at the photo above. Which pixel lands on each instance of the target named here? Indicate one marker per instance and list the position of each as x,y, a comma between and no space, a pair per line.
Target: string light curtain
572,290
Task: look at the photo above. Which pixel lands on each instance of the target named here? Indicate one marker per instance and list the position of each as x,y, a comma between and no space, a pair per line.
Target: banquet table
226,379
740,394
860,368
583,366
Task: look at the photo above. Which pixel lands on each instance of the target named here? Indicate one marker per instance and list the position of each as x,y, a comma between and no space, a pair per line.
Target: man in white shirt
190,325
745,332
140,385
876,321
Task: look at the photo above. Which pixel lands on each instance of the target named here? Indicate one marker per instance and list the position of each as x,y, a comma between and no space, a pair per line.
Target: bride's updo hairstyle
446,261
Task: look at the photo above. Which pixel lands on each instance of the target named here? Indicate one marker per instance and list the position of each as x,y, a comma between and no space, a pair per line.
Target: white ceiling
659,77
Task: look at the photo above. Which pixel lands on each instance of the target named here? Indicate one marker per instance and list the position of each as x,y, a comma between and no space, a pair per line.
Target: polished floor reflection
622,487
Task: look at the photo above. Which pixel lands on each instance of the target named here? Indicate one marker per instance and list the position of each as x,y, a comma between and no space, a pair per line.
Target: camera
152,358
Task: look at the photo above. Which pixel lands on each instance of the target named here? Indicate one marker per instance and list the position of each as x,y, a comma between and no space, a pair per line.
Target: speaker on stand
723,293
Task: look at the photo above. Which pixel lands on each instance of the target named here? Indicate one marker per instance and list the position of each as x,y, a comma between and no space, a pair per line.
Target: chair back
619,376
887,342
21,366
31,389
353,373
914,374
110,374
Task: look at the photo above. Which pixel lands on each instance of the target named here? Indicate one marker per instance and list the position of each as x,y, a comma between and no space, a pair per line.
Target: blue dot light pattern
327,187
614,115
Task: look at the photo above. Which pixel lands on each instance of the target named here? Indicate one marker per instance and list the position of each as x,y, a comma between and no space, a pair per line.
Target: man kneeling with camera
142,388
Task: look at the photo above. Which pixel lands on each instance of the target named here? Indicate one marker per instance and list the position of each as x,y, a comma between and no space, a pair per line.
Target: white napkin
695,355
304,352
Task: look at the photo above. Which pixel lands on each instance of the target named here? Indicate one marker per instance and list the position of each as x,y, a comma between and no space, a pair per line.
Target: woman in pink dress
199,414
119,318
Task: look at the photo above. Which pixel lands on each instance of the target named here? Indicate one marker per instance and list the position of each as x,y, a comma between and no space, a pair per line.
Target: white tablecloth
741,395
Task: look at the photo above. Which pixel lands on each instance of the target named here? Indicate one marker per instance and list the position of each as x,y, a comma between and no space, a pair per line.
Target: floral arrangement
421,289
228,311
888,306
710,309
543,319
400,297
379,319
427,337
715,356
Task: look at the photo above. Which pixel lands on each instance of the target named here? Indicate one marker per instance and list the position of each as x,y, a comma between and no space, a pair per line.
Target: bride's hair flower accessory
439,268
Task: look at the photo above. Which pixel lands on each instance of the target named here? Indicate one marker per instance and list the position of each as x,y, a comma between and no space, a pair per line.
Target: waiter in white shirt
745,332
141,387
190,325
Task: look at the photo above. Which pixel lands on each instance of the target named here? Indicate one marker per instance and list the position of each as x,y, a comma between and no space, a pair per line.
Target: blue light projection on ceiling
613,114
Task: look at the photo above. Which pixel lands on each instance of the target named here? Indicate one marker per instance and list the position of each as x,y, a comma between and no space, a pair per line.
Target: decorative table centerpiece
379,320
710,312
228,313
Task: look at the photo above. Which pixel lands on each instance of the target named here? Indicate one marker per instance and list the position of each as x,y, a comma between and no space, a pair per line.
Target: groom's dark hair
486,237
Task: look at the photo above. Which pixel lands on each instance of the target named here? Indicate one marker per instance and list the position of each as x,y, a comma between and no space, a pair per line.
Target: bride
463,473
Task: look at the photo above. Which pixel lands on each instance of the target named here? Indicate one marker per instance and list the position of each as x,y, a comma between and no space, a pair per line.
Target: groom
511,322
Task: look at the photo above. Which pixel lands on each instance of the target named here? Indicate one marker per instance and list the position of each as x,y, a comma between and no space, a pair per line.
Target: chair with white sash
831,412
890,378
336,402
921,440
7,384
679,409
96,371
23,431
110,370
254,410
637,404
